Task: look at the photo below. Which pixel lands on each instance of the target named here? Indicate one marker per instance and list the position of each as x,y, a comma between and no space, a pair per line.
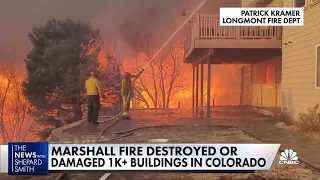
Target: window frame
316,68
295,2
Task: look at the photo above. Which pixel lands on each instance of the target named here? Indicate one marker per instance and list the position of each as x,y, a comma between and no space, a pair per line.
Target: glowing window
271,75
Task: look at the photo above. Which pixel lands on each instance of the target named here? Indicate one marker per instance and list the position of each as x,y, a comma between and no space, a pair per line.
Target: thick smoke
152,22
121,22
3,54
155,21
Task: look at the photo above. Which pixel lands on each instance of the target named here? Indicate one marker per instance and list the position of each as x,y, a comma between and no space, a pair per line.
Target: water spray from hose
179,28
138,75
152,59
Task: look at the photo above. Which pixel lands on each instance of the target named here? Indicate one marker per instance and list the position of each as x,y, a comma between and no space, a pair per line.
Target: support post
201,91
193,88
276,86
261,96
197,89
208,88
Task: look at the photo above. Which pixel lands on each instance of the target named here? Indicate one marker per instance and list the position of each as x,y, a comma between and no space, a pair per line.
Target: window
299,3
318,66
271,75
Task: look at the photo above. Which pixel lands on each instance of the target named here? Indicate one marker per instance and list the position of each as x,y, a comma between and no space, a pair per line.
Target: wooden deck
206,32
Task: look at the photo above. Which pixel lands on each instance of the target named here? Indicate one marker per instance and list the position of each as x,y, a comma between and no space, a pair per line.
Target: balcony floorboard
238,43
233,55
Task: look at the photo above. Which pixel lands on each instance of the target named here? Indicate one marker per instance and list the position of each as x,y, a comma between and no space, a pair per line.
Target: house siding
297,90
299,61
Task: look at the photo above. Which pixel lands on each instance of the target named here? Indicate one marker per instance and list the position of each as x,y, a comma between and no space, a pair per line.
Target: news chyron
41,158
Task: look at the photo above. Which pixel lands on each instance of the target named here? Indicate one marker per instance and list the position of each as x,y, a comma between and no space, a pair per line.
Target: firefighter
126,88
94,92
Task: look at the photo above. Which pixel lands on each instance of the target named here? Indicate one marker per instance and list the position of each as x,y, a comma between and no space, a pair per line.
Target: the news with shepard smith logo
28,158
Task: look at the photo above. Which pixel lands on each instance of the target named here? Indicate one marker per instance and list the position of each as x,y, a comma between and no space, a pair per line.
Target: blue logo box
28,158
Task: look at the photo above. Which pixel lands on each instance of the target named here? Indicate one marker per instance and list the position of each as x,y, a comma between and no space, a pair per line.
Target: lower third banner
40,158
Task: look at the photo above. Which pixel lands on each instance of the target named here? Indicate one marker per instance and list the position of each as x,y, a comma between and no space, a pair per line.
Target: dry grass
308,123
313,135
284,117
310,120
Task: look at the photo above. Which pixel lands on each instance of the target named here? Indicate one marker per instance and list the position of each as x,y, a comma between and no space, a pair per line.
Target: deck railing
187,42
207,26
210,28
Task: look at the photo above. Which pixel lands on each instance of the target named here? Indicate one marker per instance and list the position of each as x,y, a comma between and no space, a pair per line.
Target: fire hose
116,118
62,175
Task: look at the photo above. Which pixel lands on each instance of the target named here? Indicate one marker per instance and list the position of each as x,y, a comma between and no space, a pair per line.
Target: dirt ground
192,134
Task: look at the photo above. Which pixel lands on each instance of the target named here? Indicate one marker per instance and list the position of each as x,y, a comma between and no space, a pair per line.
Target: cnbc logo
288,156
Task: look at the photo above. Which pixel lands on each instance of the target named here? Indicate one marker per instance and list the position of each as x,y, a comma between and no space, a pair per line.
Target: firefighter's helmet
126,75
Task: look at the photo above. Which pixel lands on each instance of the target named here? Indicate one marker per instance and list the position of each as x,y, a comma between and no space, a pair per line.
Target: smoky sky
119,21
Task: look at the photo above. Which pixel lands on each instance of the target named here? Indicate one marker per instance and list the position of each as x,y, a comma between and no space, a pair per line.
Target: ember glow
14,108
225,85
